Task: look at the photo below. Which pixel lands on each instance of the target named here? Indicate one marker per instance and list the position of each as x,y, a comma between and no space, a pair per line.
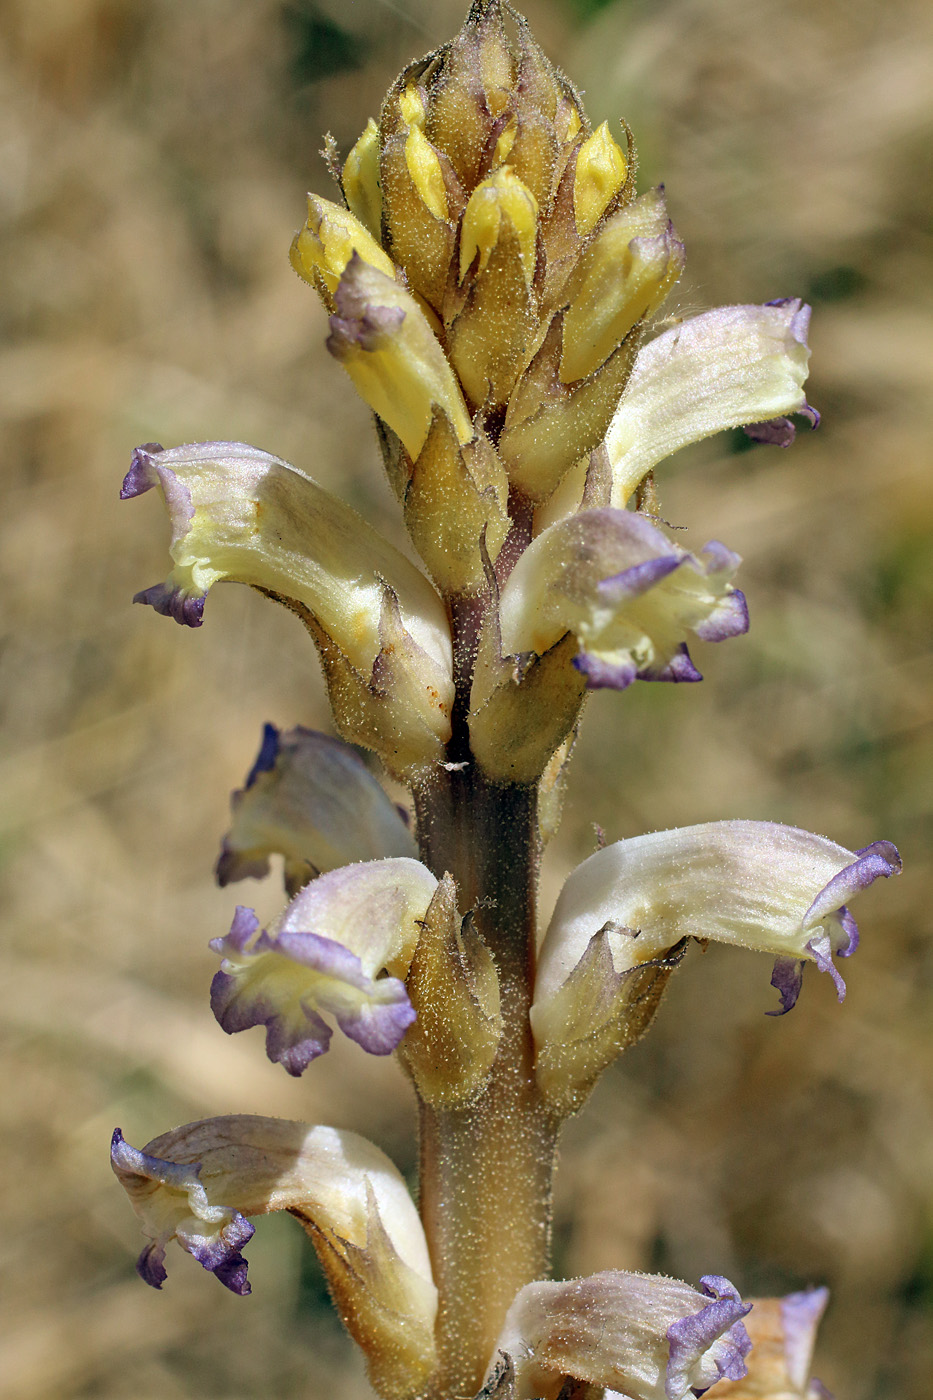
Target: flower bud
199,1183
243,515
652,1338
321,250
471,88
489,336
385,343
454,991
600,175
623,277
311,799
360,180
422,202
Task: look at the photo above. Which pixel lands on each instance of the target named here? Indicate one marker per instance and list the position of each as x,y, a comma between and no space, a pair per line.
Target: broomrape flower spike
489,275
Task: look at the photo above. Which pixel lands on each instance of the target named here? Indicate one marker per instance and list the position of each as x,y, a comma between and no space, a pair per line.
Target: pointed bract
454,990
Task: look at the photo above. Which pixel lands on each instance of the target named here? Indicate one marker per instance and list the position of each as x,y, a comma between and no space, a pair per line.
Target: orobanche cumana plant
490,277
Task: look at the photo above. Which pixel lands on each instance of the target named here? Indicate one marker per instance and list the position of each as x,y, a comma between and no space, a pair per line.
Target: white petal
723,369
756,884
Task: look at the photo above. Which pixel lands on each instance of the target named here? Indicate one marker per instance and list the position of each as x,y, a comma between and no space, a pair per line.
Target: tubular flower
326,953
653,1338
199,1184
756,884
783,1335
385,343
311,799
242,515
727,368
626,592
737,366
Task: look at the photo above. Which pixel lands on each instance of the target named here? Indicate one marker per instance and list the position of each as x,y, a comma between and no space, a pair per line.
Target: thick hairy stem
486,1168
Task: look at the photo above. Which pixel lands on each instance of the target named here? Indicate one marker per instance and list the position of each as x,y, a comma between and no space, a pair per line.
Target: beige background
154,159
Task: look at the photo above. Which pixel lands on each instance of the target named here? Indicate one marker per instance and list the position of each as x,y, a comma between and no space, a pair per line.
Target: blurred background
153,164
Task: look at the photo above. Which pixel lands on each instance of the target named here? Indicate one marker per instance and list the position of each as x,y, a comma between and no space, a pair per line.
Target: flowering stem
486,1168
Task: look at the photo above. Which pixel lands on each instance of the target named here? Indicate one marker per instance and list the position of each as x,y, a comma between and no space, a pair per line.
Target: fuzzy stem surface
486,1168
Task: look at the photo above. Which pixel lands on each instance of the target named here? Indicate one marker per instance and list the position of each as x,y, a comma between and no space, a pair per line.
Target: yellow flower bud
385,343
411,105
600,175
489,338
360,180
624,275
422,203
424,167
321,250
502,196
504,144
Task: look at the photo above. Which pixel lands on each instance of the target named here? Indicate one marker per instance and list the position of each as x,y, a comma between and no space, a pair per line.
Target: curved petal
243,515
199,1183
756,884
331,235
311,799
650,1337
724,369
386,344
325,955
626,592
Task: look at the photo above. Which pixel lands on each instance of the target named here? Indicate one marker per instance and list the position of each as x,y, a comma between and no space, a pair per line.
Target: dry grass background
154,158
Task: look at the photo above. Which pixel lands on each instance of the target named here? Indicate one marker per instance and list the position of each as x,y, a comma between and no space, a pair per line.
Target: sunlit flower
242,515
651,1337
736,366
199,1184
726,368
327,953
755,884
626,592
